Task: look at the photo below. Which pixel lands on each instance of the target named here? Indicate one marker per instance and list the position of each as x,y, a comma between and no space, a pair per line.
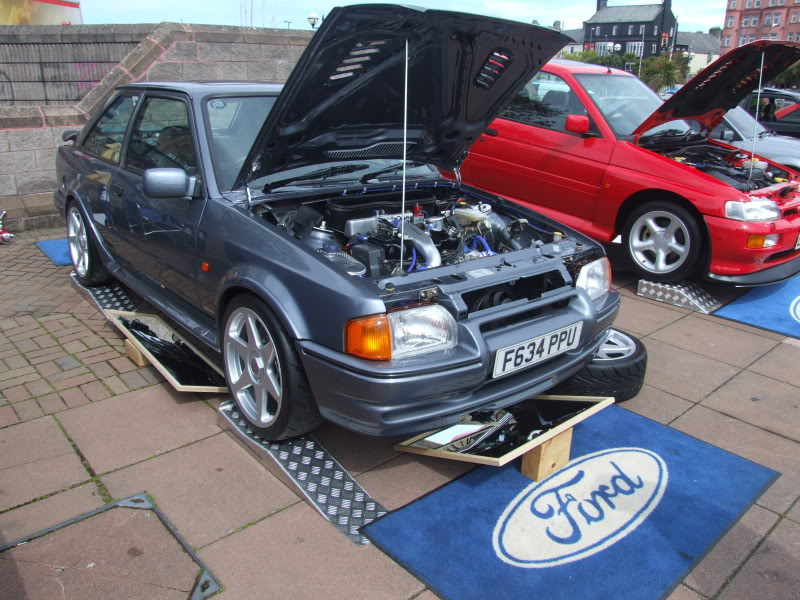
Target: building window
776,19
630,29
763,36
751,37
629,67
634,48
730,22
758,4
746,22
749,4
742,40
727,41
794,18
773,36
780,2
753,21
597,30
790,37
772,2
641,29
767,19
733,4
614,30
653,49
655,29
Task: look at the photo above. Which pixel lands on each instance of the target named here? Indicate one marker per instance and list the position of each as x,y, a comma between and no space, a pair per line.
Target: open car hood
344,99
723,84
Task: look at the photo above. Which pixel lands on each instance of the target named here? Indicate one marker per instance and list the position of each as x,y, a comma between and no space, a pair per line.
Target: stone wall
30,134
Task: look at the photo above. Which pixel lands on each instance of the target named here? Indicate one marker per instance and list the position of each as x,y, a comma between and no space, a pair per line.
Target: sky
692,15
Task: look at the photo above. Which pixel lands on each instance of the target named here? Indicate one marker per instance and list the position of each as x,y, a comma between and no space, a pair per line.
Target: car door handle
117,189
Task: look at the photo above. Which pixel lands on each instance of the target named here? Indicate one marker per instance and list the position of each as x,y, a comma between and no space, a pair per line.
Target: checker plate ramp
106,296
304,466
686,295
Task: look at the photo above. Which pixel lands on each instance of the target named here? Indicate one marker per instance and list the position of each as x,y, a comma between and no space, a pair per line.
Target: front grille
530,288
523,316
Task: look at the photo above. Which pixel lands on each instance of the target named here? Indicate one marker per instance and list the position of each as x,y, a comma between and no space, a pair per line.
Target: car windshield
625,102
234,123
744,122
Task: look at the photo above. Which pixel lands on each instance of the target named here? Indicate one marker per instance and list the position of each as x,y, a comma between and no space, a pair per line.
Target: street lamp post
288,23
313,19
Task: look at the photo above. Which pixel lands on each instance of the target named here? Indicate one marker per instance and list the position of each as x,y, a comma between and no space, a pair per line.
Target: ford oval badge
585,507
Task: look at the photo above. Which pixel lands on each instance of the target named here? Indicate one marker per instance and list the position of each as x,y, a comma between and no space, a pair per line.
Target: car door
529,155
100,150
163,229
787,124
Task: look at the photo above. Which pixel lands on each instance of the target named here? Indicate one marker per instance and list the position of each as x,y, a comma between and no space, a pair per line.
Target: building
704,48
643,29
750,20
577,35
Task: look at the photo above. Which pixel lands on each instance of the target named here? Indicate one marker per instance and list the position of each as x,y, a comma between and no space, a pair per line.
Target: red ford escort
596,149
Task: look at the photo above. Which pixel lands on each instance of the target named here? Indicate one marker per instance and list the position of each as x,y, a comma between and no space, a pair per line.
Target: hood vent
362,56
493,68
379,150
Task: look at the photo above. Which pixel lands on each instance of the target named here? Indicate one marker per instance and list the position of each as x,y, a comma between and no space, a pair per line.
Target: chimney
601,4
667,5
557,25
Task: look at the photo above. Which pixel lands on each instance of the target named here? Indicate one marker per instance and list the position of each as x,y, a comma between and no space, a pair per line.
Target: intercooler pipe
424,245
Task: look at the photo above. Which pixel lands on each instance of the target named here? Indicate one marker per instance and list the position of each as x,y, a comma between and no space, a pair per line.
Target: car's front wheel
85,260
662,242
264,373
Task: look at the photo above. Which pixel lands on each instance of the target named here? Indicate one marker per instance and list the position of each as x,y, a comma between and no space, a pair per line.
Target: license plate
527,353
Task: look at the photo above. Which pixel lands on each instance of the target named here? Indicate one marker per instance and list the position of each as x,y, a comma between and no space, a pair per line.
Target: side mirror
728,135
70,135
577,124
170,183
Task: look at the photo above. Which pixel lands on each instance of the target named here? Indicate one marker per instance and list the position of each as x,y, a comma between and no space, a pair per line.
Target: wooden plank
600,403
115,315
135,355
548,457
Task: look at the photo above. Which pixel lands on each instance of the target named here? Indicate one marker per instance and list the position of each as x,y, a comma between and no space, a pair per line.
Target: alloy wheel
616,346
659,242
78,242
253,366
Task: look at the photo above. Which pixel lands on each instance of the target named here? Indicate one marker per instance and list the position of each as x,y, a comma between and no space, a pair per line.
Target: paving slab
29,519
126,429
746,440
723,560
643,318
780,363
684,593
407,477
760,401
794,513
772,335
209,489
708,338
683,373
356,453
774,569
105,556
657,405
297,554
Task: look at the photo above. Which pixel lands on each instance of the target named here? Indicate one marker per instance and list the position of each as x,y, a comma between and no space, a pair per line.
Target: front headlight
595,278
423,329
754,210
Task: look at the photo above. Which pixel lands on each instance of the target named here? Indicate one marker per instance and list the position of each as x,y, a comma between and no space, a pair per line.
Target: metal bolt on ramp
309,470
685,295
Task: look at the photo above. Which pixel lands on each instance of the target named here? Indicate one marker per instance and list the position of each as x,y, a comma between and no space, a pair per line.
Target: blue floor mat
774,307
57,251
636,508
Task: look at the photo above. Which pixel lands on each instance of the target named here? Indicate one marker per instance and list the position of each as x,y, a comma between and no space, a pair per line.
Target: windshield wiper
765,133
395,167
318,174
668,133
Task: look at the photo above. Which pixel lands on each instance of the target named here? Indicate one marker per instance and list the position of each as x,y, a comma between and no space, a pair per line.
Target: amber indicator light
368,337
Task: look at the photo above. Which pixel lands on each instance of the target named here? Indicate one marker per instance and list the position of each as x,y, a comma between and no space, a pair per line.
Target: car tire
617,370
86,263
264,373
662,242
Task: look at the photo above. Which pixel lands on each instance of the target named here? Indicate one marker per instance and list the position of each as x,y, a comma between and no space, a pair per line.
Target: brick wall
30,134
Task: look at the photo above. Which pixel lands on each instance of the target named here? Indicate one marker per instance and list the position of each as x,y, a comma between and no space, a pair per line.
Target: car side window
791,117
106,137
544,102
162,137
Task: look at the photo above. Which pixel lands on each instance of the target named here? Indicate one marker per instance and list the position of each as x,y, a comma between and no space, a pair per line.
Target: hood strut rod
405,147
755,123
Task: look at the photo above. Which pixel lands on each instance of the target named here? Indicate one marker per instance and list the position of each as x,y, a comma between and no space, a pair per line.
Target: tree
661,72
790,77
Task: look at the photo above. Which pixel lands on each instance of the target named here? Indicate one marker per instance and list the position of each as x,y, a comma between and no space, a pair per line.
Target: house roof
699,43
575,34
627,14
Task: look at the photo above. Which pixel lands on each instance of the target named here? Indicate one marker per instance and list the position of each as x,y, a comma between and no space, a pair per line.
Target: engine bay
731,167
362,235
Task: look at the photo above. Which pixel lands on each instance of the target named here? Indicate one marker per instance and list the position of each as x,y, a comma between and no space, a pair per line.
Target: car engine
363,235
731,167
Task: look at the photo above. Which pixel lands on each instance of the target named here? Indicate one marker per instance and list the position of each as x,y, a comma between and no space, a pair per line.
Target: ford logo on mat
794,309
585,507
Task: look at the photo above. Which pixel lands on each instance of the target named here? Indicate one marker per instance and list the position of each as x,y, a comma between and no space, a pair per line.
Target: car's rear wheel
264,373
85,259
663,242
617,370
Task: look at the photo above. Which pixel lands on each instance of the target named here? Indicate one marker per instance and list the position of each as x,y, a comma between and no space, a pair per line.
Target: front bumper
733,262
382,400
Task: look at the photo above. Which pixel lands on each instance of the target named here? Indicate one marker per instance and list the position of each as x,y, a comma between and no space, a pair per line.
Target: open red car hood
723,84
